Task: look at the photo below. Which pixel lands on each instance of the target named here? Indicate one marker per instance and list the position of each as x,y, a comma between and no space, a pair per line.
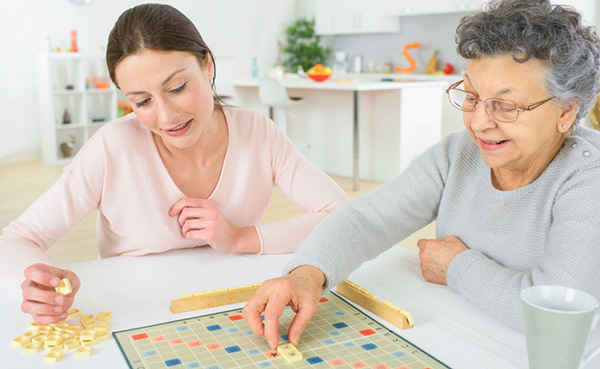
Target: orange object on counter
410,59
101,83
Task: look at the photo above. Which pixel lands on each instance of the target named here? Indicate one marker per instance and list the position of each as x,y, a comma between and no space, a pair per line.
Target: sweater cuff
17,254
459,265
260,240
297,264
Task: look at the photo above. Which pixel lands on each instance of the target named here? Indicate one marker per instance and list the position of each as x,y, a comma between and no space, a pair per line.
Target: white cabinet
353,16
420,7
76,98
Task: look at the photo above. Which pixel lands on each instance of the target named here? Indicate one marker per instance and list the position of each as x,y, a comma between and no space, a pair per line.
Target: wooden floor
22,182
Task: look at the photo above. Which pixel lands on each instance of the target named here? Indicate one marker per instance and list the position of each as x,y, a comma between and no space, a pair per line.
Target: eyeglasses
500,110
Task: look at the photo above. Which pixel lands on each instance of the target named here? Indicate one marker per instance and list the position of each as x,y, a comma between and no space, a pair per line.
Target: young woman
182,171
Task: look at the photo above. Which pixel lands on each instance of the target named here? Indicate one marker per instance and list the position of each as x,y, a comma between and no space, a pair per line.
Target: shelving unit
67,83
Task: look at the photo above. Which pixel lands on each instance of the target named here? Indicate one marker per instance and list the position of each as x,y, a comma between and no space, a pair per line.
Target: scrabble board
338,336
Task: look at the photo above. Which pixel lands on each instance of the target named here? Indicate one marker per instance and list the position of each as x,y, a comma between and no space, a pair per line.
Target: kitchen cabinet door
421,7
353,16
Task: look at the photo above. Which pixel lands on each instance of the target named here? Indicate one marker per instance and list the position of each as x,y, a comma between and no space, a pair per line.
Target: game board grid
226,340
183,352
310,344
251,342
331,352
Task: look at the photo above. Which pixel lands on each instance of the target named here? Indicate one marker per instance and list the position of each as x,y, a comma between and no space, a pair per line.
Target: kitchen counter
410,107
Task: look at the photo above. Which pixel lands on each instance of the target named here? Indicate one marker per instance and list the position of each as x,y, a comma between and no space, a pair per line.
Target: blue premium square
173,362
340,325
232,349
314,360
253,351
328,341
232,330
215,327
369,346
334,333
149,353
398,354
182,328
264,364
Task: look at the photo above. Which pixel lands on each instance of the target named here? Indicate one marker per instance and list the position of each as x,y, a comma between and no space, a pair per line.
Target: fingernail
272,345
58,309
55,282
63,316
58,299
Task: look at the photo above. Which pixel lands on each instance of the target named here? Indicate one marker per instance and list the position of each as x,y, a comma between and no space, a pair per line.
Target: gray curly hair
537,29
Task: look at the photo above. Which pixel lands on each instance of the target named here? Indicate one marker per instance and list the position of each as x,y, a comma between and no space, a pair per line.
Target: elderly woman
516,195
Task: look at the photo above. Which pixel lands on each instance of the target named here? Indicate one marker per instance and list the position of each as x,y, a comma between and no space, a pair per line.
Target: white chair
272,93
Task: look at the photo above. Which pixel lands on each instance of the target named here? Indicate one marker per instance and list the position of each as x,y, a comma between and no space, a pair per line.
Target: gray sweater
547,232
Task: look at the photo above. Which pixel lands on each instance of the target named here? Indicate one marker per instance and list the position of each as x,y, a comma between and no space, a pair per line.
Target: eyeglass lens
500,110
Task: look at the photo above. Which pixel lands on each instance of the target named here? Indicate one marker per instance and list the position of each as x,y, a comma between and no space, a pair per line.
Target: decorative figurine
410,59
68,148
66,117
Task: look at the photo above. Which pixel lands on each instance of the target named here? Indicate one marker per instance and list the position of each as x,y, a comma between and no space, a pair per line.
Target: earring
564,126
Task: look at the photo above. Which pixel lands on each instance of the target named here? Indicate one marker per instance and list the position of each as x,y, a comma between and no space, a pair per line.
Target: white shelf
84,103
101,91
70,126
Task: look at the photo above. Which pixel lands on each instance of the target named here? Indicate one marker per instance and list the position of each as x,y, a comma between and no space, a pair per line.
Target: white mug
558,321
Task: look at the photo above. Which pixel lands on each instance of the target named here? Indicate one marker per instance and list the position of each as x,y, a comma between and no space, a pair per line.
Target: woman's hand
202,219
300,290
40,298
436,256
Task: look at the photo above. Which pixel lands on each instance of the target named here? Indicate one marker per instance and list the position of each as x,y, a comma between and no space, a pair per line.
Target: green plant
303,46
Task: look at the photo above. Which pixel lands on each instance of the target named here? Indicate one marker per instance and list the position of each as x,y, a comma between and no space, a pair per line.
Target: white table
139,290
421,110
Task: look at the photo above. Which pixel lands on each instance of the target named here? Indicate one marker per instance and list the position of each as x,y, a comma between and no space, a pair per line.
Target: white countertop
139,290
363,83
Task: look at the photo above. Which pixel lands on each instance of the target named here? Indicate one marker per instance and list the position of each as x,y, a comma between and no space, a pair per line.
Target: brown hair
155,27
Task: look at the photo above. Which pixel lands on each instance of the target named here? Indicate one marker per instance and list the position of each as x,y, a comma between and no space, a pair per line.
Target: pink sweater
120,173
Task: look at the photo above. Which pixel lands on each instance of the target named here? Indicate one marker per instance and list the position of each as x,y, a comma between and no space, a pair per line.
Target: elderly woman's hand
436,256
300,290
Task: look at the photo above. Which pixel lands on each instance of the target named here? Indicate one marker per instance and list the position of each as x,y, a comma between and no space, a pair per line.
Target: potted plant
303,46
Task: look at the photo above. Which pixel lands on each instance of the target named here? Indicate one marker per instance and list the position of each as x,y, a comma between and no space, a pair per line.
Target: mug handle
590,355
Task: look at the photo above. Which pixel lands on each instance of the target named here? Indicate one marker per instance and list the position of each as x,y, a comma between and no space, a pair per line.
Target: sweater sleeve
306,186
74,195
365,227
571,257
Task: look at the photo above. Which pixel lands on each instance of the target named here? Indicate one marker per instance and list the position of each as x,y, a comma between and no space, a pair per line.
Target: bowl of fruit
319,73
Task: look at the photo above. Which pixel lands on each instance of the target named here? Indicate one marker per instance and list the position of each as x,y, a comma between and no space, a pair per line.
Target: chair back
271,92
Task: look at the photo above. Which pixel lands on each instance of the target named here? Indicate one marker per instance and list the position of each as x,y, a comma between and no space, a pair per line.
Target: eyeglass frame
518,109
